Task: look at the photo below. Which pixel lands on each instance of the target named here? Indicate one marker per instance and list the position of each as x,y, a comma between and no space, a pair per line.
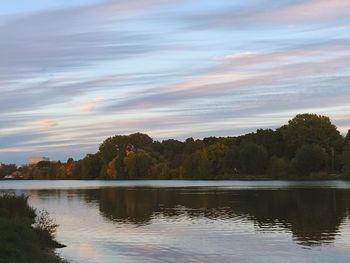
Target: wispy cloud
275,13
90,105
44,124
242,74
53,40
73,75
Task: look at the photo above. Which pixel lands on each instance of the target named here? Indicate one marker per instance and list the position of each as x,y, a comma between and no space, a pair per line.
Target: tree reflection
312,215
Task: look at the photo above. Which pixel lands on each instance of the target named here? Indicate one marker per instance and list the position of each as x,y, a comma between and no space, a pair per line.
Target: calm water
196,221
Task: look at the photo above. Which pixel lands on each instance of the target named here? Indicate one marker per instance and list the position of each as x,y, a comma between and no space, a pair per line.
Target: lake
196,221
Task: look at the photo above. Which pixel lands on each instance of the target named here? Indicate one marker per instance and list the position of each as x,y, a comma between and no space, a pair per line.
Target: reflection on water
312,215
200,224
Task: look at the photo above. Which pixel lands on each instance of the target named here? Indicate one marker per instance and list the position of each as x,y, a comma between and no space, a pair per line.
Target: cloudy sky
73,72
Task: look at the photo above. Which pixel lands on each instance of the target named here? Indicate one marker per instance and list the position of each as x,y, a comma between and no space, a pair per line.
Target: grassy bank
24,239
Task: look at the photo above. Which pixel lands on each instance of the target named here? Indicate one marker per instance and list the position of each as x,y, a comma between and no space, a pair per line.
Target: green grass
20,242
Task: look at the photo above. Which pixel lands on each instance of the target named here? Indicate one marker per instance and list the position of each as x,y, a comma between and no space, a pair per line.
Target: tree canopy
311,129
307,144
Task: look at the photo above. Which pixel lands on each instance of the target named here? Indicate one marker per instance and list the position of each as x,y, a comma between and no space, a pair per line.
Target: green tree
173,151
253,158
311,129
279,167
111,147
160,170
231,160
191,146
91,166
216,154
270,139
346,161
347,138
138,164
197,165
310,158
117,145
140,140
57,170
210,140
43,164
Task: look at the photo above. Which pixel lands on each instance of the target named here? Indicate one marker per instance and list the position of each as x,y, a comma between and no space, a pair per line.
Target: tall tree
91,166
347,138
197,165
311,129
138,164
216,156
346,160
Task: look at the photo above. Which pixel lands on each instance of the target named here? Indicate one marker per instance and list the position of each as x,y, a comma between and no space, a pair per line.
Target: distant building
14,175
36,160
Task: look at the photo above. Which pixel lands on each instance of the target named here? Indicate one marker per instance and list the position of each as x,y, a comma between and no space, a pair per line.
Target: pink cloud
309,11
286,13
47,123
90,105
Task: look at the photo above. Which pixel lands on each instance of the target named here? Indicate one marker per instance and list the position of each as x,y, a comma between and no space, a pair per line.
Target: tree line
309,146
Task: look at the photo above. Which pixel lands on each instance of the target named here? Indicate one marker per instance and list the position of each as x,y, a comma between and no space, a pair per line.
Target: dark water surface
196,221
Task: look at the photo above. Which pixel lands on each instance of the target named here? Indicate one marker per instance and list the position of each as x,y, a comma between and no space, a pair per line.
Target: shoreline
225,177
183,179
25,235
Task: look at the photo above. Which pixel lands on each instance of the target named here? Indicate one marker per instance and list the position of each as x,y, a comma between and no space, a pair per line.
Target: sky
74,72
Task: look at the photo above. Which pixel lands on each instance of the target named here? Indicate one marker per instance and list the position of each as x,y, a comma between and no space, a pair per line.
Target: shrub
46,227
